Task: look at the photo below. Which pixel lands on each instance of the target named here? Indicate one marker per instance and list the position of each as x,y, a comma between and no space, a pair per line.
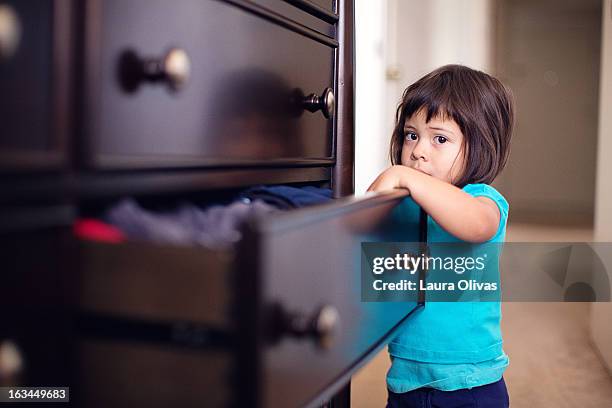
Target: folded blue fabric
287,197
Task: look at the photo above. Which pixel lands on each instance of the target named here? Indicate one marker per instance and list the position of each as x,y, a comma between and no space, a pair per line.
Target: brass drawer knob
322,326
11,361
326,323
326,103
174,69
10,31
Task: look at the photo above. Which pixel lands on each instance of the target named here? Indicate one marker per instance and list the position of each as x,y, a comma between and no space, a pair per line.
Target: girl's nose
418,153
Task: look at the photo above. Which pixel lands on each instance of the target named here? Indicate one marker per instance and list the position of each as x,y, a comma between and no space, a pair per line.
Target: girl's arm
472,219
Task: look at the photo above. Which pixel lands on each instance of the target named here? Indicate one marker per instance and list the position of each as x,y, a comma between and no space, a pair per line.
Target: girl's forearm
460,214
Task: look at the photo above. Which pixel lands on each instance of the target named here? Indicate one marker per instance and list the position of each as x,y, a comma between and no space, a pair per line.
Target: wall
424,35
548,53
370,149
601,313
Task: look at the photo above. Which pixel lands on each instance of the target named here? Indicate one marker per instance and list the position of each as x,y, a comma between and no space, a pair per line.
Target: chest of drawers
186,100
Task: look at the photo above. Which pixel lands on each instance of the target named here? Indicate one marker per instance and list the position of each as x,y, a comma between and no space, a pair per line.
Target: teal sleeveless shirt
452,345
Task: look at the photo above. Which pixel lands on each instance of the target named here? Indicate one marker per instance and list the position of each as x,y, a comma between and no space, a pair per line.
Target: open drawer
278,321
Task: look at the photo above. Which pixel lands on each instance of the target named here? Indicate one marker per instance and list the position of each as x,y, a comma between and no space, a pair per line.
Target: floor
552,361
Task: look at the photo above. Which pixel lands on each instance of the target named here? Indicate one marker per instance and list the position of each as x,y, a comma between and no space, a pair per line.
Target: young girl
451,139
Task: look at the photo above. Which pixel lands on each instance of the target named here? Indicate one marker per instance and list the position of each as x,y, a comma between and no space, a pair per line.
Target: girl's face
434,148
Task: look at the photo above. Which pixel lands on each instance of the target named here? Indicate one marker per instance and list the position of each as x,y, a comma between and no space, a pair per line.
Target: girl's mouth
422,171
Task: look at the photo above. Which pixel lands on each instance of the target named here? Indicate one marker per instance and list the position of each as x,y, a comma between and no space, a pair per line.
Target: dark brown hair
481,105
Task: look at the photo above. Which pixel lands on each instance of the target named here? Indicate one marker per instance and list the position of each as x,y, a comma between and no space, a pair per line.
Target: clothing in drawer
283,305
223,83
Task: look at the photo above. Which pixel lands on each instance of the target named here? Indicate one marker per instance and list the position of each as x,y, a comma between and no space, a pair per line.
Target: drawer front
33,80
304,14
147,282
244,95
310,261
327,5
166,376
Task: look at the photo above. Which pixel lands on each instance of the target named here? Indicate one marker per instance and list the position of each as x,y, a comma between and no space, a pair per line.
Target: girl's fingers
374,184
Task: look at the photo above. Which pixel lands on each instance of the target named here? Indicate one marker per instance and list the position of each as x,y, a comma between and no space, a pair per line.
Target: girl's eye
411,136
440,139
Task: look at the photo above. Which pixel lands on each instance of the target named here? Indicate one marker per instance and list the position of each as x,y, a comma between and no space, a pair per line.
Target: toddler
451,139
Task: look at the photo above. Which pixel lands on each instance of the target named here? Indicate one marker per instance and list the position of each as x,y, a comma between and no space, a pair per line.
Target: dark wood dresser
167,102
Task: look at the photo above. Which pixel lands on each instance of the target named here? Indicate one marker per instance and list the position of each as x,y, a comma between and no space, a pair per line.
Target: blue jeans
494,395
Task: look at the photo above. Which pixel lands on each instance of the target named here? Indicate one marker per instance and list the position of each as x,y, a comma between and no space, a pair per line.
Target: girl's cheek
455,173
405,157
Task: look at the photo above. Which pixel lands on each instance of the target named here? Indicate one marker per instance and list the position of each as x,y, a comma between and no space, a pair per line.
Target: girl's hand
471,219
390,179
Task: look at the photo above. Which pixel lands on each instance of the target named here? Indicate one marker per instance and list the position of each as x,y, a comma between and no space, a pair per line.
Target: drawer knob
10,31
322,326
173,68
11,361
326,103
